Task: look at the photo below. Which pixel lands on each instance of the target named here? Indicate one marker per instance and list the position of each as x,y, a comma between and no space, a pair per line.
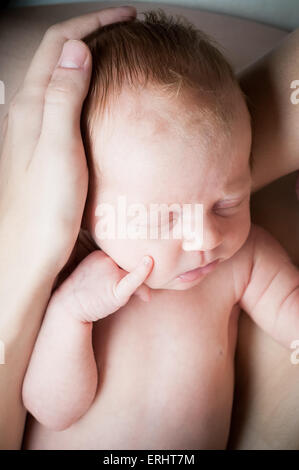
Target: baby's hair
163,51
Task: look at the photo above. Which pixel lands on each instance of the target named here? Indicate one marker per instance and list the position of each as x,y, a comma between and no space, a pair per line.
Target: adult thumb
66,92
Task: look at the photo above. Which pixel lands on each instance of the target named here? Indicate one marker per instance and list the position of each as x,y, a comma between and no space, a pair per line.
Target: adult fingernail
128,8
73,55
128,12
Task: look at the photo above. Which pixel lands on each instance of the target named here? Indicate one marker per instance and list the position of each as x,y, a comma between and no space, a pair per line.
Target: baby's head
165,122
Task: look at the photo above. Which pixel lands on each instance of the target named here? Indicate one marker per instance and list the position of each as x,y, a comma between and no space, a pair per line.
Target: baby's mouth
197,272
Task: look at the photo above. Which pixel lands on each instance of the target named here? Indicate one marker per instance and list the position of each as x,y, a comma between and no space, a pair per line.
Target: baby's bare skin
165,374
175,365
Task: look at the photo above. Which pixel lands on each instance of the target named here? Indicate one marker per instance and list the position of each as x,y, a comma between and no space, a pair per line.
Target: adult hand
43,184
43,170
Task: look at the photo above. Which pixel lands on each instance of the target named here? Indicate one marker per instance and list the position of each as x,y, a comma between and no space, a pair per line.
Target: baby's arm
61,379
271,296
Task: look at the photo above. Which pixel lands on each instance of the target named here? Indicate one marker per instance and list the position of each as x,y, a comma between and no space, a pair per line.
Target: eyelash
231,207
173,217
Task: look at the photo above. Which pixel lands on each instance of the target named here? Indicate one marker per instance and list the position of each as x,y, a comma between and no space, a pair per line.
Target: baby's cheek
127,252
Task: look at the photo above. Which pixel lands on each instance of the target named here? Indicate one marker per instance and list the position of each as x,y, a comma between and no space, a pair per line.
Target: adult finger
64,97
47,55
27,105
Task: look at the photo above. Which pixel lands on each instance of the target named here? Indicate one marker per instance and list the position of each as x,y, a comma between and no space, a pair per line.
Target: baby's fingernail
147,260
146,297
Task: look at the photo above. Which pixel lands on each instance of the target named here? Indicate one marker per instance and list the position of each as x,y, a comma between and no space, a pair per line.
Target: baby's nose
207,238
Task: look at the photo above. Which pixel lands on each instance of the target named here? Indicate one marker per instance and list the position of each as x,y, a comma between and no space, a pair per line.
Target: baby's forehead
151,114
143,121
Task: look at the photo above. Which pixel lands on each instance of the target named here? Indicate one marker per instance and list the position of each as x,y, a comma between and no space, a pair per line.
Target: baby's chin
175,284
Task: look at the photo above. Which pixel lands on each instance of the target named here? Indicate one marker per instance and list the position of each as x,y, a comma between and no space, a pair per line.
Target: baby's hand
98,287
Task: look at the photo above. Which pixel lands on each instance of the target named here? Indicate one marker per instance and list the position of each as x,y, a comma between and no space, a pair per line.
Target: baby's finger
130,283
143,292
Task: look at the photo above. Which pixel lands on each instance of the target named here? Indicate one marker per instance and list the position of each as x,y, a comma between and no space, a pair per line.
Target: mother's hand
43,186
43,170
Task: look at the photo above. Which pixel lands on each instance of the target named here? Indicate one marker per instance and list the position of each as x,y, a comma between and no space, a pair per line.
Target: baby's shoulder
261,252
242,261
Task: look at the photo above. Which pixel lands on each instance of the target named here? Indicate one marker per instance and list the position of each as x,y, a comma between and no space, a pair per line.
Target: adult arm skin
43,186
267,382
267,85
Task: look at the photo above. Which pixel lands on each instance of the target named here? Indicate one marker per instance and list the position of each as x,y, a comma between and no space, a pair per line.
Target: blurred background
283,14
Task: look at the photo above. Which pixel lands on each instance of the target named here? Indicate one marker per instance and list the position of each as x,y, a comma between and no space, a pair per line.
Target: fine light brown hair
166,51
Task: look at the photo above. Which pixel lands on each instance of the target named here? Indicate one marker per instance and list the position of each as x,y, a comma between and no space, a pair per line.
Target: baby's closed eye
227,208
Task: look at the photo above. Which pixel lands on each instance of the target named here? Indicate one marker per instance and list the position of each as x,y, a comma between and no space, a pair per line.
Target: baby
164,122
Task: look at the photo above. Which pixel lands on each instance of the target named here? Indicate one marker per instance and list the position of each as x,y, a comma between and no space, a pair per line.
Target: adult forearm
267,85
24,296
